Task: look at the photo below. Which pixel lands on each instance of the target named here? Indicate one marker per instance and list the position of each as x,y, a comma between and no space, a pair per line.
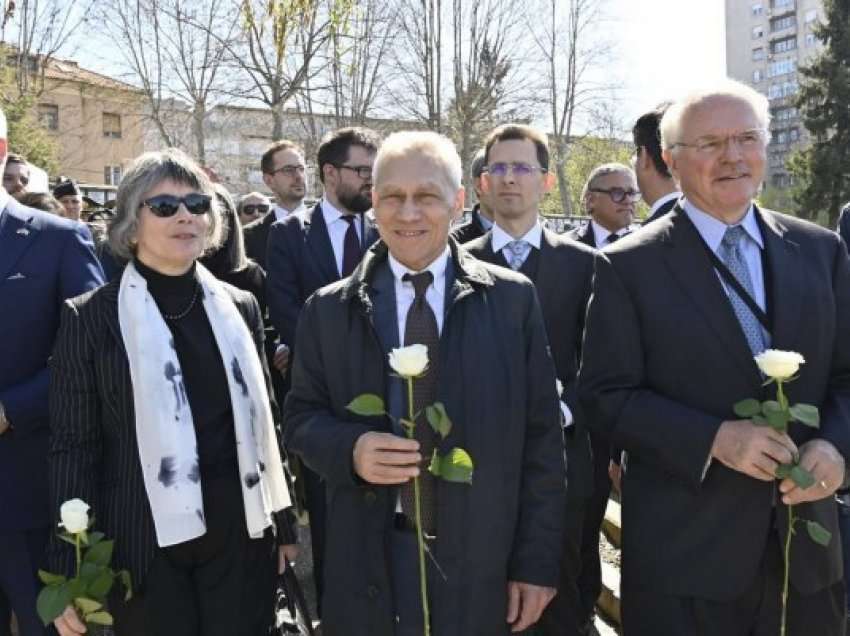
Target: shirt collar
501,238
663,200
281,212
600,234
485,222
437,269
712,229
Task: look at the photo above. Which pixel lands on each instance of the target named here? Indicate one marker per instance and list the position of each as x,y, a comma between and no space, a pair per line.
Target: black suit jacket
661,211
470,230
665,361
563,281
497,383
94,453
583,235
844,225
300,261
256,235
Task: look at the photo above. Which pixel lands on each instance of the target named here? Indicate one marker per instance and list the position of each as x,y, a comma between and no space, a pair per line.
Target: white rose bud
779,365
409,362
75,516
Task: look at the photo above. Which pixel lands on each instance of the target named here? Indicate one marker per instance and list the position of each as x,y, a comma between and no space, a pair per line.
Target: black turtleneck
203,368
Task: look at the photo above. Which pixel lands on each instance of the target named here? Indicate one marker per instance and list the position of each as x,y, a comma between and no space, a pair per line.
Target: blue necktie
519,250
730,253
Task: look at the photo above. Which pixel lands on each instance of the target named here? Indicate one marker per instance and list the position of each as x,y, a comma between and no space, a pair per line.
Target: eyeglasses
618,195
711,145
288,170
364,172
518,169
255,208
165,205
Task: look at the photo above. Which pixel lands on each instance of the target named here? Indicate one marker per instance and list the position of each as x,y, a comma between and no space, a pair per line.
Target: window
758,53
48,116
774,91
779,24
784,114
758,9
811,40
793,134
783,45
757,75
782,67
758,32
811,16
782,5
112,125
777,91
112,175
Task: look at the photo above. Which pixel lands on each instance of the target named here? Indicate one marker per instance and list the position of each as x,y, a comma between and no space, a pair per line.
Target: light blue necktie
730,254
519,250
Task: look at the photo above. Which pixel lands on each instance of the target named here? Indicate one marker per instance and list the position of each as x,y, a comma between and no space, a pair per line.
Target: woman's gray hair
148,171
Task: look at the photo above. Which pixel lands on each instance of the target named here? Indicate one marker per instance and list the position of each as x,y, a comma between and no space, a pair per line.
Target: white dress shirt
435,295
600,234
280,212
499,241
662,201
337,227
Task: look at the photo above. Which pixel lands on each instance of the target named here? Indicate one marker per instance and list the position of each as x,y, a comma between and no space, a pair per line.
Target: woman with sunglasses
161,421
252,206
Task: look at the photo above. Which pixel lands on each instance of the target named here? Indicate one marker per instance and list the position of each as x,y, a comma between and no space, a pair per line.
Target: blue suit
43,260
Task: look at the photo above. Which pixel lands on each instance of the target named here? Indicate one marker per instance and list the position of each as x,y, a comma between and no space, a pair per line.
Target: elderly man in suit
496,540
561,269
657,187
308,251
609,197
481,218
703,516
43,260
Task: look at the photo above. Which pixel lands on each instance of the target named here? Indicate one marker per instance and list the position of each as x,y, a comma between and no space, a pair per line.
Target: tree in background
26,136
822,171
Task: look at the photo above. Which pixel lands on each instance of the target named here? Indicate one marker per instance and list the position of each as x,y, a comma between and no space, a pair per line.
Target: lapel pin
23,231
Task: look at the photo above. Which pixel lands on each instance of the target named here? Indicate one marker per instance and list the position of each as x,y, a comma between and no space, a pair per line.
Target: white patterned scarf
164,428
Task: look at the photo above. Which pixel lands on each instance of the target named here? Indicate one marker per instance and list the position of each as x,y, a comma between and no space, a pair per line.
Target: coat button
372,591
370,497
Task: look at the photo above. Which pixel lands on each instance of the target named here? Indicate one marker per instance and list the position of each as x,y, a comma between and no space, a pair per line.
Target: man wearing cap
68,193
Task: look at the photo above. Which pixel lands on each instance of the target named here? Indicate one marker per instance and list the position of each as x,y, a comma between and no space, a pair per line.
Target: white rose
409,362
559,387
779,365
75,516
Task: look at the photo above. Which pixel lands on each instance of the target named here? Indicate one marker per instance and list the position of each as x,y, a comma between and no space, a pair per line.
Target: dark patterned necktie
421,328
351,247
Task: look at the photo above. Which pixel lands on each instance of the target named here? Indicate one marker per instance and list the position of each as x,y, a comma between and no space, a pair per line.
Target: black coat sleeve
282,289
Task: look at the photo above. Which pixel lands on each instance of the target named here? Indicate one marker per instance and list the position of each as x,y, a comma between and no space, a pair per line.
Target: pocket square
17,276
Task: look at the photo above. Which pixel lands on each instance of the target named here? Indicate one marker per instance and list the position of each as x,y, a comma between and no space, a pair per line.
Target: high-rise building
767,41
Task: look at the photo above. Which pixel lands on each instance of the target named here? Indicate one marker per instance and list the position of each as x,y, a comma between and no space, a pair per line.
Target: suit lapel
692,269
546,271
784,278
496,258
17,232
319,242
587,237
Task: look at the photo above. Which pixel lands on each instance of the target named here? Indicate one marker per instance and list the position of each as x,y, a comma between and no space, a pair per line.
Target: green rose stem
418,514
79,553
783,404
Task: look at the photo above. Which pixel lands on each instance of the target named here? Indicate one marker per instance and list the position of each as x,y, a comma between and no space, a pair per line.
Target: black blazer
563,281
94,454
661,211
300,261
665,361
583,235
256,235
470,230
844,225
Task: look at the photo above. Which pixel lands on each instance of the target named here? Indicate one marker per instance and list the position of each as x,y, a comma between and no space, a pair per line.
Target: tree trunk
277,121
198,115
563,187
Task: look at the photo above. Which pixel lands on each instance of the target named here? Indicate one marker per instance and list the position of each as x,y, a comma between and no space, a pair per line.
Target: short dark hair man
497,548
16,175
68,193
482,213
310,250
609,197
655,182
561,270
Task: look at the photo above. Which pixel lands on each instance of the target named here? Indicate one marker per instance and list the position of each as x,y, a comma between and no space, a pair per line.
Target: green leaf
818,533
100,586
455,466
99,554
802,477
366,405
124,575
439,419
52,601
783,471
87,605
67,538
95,537
89,571
759,419
48,578
778,420
770,406
747,408
99,618
806,414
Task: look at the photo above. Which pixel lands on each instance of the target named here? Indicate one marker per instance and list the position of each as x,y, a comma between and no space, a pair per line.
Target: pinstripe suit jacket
94,453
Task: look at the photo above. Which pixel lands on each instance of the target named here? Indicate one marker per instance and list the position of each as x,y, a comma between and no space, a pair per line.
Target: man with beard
16,176
309,251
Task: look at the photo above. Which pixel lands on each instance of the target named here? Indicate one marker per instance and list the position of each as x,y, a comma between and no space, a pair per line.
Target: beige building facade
767,41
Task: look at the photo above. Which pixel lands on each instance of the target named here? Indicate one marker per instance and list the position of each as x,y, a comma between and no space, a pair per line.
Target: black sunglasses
254,208
618,195
165,205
